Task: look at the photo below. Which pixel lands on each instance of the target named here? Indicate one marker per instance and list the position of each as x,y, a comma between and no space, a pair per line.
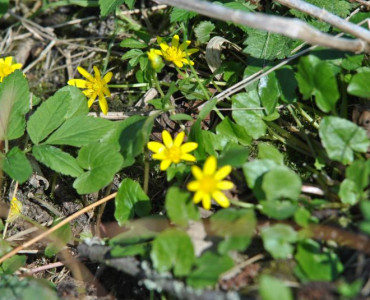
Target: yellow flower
94,87
176,52
155,60
7,67
15,209
209,183
171,151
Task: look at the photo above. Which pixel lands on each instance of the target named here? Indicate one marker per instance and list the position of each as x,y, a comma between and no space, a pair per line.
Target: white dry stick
293,28
325,16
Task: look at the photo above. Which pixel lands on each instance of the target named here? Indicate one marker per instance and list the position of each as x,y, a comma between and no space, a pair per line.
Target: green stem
146,173
157,85
124,86
245,205
307,116
292,112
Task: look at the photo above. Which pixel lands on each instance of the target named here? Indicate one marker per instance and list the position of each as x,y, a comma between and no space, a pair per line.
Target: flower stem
307,116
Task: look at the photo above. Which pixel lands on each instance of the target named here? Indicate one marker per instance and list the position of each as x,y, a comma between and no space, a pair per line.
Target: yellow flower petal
159,156
15,210
191,51
8,60
91,100
188,147
210,166
179,139
223,172
80,83
107,77
156,147
165,164
184,45
163,46
97,73
198,196
167,139
197,172
178,63
85,74
225,185
175,41
188,157
16,66
206,201
193,186
106,91
221,199
103,104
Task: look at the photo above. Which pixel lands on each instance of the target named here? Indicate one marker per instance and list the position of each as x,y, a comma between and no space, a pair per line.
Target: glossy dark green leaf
203,31
16,165
173,249
108,6
12,264
278,240
271,288
57,160
278,209
14,103
4,4
247,113
80,131
316,78
208,269
255,169
359,84
59,239
180,207
235,226
269,92
233,132
101,162
131,200
268,151
317,264
341,138
281,183
288,84
48,116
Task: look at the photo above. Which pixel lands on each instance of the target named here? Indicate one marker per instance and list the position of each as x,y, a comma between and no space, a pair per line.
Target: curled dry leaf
213,53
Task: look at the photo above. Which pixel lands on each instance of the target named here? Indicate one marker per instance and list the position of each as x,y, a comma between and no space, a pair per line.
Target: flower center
173,54
208,184
174,154
5,70
97,86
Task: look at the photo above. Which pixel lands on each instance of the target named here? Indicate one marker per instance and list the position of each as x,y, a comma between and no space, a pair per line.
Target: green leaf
317,78
352,61
278,209
129,250
359,84
77,105
233,155
341,137
80,131
134,56
302,217
317,264
350,290
102,162
206,110
131,200
49,116
132,43
14,103
277,240
268,151
233,132
269,92
181,15
281,183
180,207
348,192
13,287
235,226
16,165
57,160
203,31
108,6
133,135
130,3
12,264
251,119
341,8
209,267
59,239
181,117
254,170
173,249
271,288
4,4
266,45
288,84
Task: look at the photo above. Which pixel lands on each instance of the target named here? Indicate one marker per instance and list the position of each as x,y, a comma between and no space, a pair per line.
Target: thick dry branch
325,16
293,28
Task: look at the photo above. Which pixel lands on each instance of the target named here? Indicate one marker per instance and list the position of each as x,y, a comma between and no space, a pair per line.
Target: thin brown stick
56,227
293,28
325,16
